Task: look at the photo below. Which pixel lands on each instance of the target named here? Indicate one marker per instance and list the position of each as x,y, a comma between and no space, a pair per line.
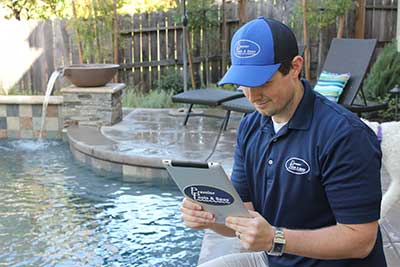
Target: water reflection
54,212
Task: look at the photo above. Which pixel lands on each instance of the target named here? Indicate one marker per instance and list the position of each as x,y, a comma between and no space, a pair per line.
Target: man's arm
195,217
334,242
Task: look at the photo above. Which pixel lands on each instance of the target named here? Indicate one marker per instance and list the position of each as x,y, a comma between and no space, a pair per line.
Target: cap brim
249,76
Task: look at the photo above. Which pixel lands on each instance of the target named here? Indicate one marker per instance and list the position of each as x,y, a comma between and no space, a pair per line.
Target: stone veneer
93,106
20,117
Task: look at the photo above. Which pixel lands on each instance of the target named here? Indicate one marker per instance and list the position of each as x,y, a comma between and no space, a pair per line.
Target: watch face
278,247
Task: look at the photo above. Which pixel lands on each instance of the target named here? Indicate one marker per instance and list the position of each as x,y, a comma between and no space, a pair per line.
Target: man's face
274,98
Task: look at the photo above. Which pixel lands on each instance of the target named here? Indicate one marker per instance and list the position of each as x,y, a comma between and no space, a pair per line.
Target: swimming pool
55,212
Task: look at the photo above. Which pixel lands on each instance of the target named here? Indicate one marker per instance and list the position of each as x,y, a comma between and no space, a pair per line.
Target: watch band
279,242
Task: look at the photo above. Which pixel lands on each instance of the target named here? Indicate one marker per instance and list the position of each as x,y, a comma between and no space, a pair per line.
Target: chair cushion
331,84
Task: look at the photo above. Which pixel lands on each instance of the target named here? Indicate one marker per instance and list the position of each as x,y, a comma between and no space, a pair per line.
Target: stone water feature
90,100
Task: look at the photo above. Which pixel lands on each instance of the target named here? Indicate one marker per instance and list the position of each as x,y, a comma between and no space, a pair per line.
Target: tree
33,9
384,74
320,16
322,13
140,6
93,23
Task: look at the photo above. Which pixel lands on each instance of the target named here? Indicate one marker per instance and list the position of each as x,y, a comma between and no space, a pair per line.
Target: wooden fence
380,20
150,44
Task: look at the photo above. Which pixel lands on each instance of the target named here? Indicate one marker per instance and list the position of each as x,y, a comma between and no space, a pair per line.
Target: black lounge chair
209,96
354,56
242,105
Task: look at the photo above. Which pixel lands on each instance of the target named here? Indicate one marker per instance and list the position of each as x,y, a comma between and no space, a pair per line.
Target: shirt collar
303,115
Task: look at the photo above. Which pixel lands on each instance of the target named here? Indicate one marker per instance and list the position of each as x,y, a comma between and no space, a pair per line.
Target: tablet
208,185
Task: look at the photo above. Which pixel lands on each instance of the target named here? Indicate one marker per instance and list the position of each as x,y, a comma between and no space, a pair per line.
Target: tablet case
208,185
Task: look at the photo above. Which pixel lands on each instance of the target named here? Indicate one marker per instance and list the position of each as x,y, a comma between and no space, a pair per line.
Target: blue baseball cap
257,50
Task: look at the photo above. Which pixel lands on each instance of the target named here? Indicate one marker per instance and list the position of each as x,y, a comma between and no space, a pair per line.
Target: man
307,169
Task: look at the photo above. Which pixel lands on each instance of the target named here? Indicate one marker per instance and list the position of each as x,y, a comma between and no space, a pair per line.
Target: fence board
137,73
178,46
48,52
58,44
125,49
146,52
67,48
369,20
197,49
205,41
153,22
349,27
39,66
171,38
163,41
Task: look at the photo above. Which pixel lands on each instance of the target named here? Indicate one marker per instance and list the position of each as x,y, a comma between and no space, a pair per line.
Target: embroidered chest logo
297,166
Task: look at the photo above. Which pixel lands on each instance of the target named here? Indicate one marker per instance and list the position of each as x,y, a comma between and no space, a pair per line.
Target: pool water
56,212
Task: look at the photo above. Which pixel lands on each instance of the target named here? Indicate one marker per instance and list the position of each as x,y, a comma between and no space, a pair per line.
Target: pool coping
98,152
29,100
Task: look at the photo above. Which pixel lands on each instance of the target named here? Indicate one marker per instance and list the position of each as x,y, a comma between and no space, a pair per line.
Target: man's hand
255,233
194,216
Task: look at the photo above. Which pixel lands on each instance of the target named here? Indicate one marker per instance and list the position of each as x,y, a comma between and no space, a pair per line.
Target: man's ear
297,65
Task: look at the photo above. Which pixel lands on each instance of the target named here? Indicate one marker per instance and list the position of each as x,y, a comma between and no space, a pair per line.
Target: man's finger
196,213
240,221
195,222
238,228
187,203
254,214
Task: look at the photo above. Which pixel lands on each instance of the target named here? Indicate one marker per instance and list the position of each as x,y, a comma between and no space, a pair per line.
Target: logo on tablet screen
208,195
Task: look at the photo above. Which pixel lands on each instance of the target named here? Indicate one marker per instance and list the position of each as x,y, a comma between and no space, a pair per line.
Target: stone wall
93,106
21,116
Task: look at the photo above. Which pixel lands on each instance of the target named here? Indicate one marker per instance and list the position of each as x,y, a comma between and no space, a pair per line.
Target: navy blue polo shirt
321,168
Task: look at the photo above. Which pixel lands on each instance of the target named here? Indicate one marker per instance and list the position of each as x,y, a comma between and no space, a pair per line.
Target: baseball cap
257,50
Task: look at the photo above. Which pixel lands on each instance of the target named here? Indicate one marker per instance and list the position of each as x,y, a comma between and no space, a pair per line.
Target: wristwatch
278,245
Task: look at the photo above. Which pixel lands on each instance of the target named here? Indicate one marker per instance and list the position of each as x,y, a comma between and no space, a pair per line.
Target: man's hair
285,67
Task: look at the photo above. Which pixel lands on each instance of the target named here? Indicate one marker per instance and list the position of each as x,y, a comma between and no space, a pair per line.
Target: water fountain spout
49,89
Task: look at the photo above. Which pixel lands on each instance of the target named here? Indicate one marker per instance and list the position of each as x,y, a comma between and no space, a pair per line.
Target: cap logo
246,48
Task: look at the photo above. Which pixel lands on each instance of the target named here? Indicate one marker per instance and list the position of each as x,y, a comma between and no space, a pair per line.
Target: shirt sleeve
351,165
238,177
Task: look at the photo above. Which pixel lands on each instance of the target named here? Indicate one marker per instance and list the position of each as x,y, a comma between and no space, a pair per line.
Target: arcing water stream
49,89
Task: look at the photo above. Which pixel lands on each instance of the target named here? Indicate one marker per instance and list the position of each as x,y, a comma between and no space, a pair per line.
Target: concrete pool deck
135,147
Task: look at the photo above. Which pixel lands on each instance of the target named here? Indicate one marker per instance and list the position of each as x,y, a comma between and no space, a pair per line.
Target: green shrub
383,115
17,91
171,81
384,74
154,99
